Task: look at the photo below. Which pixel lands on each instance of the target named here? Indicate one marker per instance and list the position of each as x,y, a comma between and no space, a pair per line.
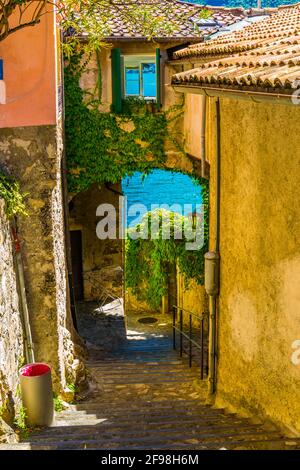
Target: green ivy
99,146
12,195
148,260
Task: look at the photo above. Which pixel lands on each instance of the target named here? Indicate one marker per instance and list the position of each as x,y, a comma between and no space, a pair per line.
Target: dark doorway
76,249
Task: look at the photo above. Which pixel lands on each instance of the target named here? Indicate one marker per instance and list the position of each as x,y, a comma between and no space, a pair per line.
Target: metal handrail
191,341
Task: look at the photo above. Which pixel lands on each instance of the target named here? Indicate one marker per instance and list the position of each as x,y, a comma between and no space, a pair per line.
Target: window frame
134,61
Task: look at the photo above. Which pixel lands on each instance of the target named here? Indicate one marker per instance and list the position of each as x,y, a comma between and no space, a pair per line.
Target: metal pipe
28,342
202,351
181,331
190,345
213,299
203,135
174,330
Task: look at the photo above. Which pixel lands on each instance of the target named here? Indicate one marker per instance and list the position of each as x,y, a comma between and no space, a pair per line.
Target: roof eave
159,39
284,97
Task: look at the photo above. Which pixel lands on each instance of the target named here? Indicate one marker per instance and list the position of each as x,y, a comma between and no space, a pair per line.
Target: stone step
276,444
142,442
145,397
133,432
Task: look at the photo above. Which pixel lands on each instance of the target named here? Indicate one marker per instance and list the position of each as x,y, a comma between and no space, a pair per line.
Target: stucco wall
179,127
259,305
11,332
32,155
192,124
191,297
30,74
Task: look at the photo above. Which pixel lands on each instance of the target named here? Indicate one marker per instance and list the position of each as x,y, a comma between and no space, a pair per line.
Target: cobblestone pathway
145,397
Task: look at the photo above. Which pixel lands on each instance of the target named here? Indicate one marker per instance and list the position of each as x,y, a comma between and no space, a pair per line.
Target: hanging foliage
148,258
105,147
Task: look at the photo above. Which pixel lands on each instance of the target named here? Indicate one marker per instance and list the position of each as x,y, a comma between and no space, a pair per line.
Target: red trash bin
37,394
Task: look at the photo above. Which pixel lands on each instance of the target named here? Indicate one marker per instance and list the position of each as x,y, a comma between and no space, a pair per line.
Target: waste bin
37,394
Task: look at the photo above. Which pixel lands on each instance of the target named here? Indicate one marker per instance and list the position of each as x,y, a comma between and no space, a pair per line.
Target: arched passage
99,262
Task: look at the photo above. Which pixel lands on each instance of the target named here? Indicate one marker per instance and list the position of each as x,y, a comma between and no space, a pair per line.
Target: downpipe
212,264
25,320
203,134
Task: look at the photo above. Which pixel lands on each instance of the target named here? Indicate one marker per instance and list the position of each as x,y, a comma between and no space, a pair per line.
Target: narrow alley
143,396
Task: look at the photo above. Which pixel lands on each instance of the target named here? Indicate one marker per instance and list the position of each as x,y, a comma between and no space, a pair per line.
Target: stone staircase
145,397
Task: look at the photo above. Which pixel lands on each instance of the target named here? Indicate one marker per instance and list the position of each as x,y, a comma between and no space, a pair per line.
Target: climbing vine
12,195
148,259
105,147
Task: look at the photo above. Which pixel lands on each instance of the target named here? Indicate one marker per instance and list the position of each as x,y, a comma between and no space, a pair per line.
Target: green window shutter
116,74
158,80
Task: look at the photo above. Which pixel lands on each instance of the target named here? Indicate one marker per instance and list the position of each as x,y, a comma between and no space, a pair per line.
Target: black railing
180,327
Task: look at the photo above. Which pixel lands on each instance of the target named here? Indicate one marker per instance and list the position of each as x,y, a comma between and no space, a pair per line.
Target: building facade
249,80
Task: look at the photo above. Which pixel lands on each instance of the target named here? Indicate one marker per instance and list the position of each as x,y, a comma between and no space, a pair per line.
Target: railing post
190,345
202,352
174,325
181,330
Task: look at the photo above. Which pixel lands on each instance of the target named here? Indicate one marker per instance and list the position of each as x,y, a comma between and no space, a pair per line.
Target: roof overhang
218,92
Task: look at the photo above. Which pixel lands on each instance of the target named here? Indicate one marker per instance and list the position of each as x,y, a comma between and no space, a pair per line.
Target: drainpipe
212,264
28,343
203,133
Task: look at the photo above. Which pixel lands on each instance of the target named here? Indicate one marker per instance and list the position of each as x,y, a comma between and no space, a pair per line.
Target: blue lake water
161,187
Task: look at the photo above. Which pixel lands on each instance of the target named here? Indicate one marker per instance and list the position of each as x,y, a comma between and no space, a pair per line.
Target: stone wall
259,305
102,259
32,155
11,331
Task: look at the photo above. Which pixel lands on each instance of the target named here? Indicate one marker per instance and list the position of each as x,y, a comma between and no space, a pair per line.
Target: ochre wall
259,305
30,75
192,124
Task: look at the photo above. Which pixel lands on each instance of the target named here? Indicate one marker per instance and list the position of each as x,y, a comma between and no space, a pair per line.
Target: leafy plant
58,404
147,260
28,12
20,422
105,147
12,195
72,387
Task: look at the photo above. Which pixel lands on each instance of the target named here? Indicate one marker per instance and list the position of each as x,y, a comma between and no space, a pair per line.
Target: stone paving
143,396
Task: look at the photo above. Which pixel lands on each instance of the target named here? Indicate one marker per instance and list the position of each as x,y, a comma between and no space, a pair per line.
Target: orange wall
30,76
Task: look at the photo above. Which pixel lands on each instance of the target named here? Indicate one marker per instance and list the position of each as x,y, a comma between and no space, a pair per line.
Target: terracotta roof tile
283,22
266,55
185,16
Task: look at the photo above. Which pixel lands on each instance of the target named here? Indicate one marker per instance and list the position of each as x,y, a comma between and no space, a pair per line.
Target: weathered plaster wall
11,332
192,124
259,305
30,74
179,127
191,297
32,155
102,259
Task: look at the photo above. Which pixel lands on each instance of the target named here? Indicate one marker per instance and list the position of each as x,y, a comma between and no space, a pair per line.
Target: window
139,76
